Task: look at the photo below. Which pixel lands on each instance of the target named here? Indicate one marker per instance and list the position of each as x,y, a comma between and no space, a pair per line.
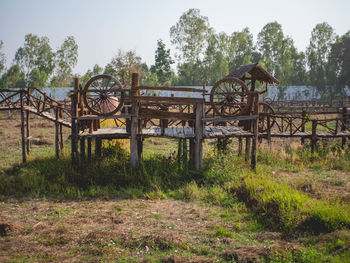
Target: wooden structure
232,109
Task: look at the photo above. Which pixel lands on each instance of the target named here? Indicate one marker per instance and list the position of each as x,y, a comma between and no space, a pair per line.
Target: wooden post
82,149
303,126
89,149
198,161
74,130
240,146
314,136
255,131
247,148
98,146
139,147
269,130
27,131
61,132
343,127
134,157
179,150
57,150
24,159
184,150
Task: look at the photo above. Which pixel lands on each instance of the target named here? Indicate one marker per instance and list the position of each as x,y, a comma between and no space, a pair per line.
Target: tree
35,54
270,42
123,65
241,48
322,37
66,59
38,78
13,78
281,57
163,62
189,36
2,58
339,63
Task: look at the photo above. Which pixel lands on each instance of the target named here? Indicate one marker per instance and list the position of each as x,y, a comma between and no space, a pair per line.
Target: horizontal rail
168,99
171,89
233,118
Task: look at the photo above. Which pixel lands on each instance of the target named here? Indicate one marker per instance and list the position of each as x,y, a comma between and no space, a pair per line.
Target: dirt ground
98,231
41,130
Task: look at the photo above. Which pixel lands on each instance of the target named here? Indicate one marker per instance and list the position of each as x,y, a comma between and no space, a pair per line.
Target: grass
240,205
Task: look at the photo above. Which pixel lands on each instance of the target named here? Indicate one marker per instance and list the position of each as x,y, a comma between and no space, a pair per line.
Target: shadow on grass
108,177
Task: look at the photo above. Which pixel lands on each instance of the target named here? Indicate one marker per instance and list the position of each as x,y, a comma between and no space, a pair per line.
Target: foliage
339,62
13,78
123,65
66,59
163,62
2,58
35,54
322,37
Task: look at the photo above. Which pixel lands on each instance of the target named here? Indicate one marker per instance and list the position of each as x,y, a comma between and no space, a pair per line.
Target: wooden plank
96,117
198,161
233,118
134,157
159,114
145,99
187,89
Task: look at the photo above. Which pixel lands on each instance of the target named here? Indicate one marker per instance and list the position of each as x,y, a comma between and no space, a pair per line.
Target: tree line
202,55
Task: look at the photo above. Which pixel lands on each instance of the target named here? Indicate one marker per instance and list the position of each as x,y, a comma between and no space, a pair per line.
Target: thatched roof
257,73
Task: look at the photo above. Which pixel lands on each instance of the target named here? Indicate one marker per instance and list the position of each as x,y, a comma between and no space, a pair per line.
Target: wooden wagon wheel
103,95
264,110
229,97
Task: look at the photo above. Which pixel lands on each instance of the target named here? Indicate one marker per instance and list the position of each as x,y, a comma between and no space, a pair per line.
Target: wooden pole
24,159
134,157
255,131
303,126
57,150
240,146
198,161
314,136
184,150
98,147
269,131
343,128
74,130
89,149
82,149
61,132
27,131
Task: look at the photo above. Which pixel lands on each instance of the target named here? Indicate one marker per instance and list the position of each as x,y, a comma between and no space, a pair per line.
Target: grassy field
294,208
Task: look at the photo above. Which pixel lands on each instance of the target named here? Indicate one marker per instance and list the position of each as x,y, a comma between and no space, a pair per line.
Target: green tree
162,65
322,37
66,59
339,63
241,48
270,44
13,78
35,54
37,78
123,65
281,57
189,36
215,63
2,58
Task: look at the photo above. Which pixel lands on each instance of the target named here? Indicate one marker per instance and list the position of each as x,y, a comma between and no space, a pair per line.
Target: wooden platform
171,132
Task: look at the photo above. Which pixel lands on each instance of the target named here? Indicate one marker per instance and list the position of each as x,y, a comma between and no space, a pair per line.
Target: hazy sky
102,27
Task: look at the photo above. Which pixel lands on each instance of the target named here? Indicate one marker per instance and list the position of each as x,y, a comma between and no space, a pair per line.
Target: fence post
343,127
255,131
314,136
74,130
303,120
268,130
57,134
24,159
198,151
134,157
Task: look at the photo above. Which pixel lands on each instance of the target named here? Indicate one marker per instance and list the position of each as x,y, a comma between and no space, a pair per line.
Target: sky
102,27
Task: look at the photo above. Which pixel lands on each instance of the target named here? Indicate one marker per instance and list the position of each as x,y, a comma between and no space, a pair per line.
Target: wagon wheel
225,99
103,95
265,109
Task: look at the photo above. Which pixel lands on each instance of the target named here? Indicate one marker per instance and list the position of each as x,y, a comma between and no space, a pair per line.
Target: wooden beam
134,157
255,140
199,137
